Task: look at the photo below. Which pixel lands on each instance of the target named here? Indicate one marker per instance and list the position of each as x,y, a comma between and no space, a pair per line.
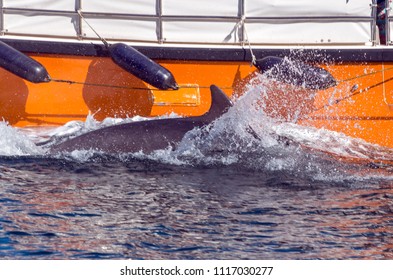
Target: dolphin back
146,136
219,105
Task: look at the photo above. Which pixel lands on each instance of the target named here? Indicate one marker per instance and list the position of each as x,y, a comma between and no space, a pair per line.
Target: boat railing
222,22
387,16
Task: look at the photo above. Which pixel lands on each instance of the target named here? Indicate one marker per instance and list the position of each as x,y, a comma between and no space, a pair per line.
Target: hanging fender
142,67
21,65
296,73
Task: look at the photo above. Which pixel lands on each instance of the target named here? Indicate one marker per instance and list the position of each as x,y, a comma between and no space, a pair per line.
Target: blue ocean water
141,209
291,193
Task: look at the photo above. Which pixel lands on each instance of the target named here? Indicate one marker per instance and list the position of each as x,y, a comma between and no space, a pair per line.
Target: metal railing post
159,31
374,15
2,31
242,19
79,28
387,22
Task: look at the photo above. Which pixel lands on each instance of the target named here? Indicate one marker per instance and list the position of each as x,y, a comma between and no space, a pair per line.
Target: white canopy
224,22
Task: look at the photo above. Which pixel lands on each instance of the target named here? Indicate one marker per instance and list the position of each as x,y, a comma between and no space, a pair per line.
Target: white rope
239,25
91,27
385,99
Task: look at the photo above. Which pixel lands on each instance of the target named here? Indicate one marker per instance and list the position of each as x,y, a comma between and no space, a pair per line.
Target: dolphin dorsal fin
219,105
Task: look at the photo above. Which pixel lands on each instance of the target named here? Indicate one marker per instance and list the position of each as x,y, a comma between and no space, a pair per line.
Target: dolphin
146,136
296,73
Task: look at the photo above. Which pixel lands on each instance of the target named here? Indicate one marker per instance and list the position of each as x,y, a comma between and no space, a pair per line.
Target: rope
96,85
384,90
353,94
365,75
70,82
189,86
95,32
354,88
239,25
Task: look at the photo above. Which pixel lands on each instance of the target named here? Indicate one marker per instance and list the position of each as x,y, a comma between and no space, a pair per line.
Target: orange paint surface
363,113
104,89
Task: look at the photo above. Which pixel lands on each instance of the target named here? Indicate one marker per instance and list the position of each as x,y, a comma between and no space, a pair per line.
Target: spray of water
15,143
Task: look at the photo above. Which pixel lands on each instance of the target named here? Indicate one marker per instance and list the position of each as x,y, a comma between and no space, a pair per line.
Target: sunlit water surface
289,193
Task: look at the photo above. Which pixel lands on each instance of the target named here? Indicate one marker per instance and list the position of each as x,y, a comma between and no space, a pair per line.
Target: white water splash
15,143
75,128
247,137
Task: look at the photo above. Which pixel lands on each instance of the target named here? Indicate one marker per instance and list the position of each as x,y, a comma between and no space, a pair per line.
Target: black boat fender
142,67
296,73
21,65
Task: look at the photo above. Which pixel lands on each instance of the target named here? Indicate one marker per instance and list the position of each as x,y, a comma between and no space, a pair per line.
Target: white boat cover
386,18
224,22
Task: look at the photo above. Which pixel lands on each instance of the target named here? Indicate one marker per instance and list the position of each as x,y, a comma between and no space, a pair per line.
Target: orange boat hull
361,105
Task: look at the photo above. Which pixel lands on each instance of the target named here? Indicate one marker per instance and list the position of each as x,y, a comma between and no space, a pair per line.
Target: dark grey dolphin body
146,136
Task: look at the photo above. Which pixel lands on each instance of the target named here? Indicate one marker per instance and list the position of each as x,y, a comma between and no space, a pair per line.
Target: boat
62,60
